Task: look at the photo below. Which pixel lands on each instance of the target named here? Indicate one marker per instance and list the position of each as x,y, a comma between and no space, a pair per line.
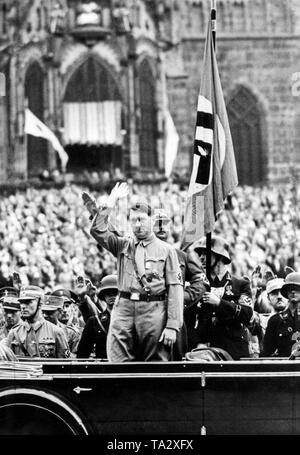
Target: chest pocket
127,260
47,347
154,267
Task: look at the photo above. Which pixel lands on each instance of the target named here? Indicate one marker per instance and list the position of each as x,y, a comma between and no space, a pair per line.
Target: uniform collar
222,279
35,326
147,241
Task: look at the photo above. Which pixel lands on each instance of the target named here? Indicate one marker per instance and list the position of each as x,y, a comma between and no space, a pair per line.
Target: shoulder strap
140,279
100,324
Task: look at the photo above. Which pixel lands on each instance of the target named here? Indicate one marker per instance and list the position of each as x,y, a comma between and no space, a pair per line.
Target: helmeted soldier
94,334
52,310
225,310
283,327
36,337
11,308
148,313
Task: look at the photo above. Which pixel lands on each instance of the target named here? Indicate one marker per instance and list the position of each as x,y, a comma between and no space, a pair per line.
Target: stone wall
258,46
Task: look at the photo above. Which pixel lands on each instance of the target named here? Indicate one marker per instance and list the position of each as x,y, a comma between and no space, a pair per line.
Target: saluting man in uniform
36,337
52,311
94,335
148,312
226,310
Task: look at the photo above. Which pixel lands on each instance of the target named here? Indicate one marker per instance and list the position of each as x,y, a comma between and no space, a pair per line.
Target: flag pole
213,18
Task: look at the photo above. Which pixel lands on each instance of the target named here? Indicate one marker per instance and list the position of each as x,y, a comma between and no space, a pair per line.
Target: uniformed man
275,299
283,328
52,311
148,312
193,273
225,310
11,308
36,337
69,313
94,334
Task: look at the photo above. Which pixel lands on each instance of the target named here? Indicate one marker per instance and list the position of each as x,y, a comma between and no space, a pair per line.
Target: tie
140,259
296,321
32,343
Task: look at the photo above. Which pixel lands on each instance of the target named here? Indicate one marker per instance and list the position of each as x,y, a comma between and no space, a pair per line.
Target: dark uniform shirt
278,337
224,326
94,333
192,273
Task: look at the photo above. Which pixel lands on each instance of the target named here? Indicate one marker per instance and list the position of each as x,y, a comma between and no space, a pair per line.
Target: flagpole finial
213,14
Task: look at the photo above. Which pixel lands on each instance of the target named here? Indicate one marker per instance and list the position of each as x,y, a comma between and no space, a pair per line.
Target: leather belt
135,296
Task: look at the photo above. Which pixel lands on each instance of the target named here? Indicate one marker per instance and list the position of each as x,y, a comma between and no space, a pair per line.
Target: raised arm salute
148,312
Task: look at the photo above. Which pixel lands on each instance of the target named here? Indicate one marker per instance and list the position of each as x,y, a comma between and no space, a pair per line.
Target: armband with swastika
245,300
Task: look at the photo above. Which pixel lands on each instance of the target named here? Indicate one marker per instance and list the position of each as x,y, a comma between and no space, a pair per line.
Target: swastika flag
214,173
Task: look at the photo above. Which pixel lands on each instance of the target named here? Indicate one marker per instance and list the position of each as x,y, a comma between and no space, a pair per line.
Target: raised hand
16,280
288,270
90,203
119,191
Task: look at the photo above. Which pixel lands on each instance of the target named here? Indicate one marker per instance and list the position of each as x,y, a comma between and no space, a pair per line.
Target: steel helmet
219,246
292,279
108,282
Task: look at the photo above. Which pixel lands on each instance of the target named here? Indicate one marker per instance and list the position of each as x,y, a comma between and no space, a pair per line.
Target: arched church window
92,111
246,128
37,150
148,116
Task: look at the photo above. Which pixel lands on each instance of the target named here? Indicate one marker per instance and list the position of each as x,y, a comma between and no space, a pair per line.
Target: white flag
35,127
171,143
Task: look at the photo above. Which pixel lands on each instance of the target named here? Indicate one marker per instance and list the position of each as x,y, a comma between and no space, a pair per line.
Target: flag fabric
35,127
171,143
214,173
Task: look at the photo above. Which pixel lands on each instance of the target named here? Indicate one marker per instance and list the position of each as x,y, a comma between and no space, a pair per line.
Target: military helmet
219,246
292,279
108,282
31,292
274,284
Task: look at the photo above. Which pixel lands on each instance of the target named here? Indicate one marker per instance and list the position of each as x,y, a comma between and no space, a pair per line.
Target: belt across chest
136,296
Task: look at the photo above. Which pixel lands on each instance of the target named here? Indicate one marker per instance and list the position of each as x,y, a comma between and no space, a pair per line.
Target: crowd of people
44,232
63,267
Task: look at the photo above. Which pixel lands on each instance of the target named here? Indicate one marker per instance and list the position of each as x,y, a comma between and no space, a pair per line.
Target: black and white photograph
149,221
